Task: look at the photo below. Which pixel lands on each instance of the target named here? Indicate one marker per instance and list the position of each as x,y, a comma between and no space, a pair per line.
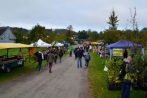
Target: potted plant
139,65
113,71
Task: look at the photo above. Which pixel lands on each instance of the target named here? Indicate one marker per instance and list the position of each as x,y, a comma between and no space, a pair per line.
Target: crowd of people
50,55
82,51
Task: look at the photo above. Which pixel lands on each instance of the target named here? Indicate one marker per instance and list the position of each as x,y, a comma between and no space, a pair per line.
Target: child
87,59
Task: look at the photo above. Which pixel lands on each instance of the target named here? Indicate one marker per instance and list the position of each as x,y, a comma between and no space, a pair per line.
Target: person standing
87,59
128,79
70,51
75,50
79,55
84,47
56,55
90,48
50,60
40,57
60,55
87,47
125,53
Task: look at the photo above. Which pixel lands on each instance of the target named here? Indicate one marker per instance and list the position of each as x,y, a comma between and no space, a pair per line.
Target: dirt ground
65,81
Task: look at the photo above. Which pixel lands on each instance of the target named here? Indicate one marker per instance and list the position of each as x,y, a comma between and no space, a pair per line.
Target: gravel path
65,81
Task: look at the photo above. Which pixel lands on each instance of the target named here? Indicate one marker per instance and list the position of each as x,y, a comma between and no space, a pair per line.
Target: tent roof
123,44
59,44
94,42
41,43
13,45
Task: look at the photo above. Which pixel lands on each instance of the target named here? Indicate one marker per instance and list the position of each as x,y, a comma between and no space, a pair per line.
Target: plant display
139,65
113,70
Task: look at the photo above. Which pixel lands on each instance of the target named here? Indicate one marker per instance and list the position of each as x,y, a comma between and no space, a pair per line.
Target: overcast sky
81,14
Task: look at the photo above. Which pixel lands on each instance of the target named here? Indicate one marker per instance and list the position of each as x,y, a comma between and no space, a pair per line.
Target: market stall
123,44
41,43
6,62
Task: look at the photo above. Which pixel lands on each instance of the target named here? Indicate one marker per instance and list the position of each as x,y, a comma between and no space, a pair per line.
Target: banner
117,52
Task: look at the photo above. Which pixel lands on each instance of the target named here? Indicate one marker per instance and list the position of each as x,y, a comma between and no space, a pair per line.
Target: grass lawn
29,65
98,81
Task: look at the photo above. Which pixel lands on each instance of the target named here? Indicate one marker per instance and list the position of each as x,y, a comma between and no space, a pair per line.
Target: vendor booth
6,62
59,44
123,44
41,43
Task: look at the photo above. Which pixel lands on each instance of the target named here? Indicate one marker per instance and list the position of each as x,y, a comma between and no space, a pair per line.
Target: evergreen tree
113,21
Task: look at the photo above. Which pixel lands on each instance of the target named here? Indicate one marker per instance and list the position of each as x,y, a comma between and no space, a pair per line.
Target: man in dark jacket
75,50
40,57
128,79
79,55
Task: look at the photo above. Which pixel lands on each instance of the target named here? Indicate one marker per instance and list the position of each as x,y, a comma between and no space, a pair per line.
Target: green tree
25,39
144,30
50,36
60,37
69,34
83,34
37,32
19,36
113,21
111,36
100,35
94,36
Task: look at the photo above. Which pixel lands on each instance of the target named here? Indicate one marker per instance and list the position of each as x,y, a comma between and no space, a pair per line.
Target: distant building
6,35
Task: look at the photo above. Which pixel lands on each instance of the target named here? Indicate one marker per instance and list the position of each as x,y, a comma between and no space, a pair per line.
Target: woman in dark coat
50,60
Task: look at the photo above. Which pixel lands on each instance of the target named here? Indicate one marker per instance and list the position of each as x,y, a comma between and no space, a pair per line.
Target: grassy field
29,64
98,81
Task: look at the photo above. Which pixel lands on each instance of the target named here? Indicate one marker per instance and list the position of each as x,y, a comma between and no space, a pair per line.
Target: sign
117,52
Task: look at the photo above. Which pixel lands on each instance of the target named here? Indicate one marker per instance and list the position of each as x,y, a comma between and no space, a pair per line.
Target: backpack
50,58
36,56
122,71
87,57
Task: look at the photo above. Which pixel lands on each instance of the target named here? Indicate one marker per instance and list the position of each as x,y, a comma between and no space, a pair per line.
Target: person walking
40,58
70,51
79,55
75,50
50,60
56,55
60,55
128,78
87,59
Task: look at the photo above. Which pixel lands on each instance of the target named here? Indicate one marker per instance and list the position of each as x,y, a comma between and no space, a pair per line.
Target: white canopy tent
59,44
41,43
